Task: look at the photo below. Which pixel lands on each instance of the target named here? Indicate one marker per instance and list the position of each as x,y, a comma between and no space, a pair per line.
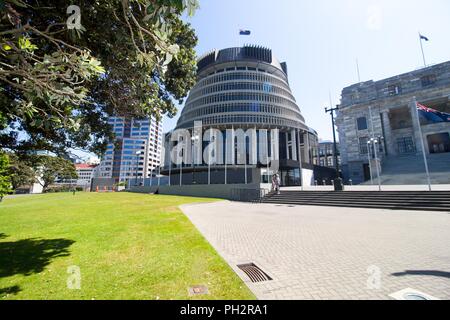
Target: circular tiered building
242,89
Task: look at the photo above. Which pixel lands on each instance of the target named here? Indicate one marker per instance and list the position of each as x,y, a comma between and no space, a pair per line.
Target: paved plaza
330,253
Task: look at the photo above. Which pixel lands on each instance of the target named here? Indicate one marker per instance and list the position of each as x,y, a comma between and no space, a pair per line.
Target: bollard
324,182
315,183
350,182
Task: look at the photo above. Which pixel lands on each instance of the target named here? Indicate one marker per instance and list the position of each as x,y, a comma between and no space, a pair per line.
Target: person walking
274,183
277,183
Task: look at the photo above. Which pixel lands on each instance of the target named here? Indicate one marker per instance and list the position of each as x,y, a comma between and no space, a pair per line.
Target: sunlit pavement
330,253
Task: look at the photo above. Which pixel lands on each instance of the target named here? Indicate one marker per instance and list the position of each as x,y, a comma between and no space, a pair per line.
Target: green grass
127,246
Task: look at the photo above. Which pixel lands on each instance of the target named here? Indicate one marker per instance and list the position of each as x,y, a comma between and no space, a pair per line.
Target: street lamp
338,184
138,153
374,142
370,160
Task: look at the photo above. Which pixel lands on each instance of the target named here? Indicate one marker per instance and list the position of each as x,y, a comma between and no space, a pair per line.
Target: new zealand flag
432,115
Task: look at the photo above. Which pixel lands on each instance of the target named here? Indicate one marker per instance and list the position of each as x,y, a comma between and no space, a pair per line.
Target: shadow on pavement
432,273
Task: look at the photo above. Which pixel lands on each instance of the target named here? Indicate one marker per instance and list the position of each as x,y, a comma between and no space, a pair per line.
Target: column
389,139
294,144
287,145
307,148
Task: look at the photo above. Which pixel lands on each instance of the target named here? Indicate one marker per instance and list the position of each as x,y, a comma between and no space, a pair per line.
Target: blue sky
321,40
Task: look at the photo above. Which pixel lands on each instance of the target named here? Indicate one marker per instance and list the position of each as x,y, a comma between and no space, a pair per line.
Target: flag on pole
432,115
422,37
245,32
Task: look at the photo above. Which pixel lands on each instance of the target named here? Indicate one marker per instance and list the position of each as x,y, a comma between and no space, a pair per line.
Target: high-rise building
136,153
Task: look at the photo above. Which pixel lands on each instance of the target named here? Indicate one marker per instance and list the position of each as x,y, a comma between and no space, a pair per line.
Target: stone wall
387,110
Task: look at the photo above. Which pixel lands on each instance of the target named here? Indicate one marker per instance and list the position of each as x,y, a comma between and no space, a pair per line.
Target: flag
423,38
245,32
432,115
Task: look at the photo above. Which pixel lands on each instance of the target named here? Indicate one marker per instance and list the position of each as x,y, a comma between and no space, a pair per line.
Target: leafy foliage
49,168
130,58
5,178
21,172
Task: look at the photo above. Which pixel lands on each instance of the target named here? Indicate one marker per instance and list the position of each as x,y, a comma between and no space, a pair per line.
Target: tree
49,168
21,172
130,58
5,179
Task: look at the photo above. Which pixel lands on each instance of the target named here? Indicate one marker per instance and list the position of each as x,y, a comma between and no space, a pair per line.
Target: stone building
386,112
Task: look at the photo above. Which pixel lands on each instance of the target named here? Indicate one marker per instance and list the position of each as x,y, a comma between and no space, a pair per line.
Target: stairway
410,170
394,200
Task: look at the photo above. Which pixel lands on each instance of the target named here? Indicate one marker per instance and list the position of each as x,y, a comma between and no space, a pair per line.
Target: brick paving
330,253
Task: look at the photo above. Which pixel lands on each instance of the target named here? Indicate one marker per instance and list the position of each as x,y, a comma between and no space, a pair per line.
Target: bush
61,189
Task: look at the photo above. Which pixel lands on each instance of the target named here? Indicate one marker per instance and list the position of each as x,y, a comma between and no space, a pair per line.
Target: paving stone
325,253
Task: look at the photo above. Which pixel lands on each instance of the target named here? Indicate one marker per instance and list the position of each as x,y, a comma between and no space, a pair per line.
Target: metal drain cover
254,272
411,294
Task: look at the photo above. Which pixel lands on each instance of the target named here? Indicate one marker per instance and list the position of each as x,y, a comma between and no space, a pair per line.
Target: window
363,149
362,123
406,145
428,80
394,90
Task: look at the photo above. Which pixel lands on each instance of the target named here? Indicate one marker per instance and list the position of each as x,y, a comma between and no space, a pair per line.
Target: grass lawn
127,246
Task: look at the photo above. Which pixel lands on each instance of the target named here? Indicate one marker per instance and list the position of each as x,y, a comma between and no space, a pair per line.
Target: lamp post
370,161
338,184
138,153
374,142
159,175
194,140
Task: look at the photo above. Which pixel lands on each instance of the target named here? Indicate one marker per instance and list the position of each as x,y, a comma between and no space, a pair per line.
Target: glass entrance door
290,177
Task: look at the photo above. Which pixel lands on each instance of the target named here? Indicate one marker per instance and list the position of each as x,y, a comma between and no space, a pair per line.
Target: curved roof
242,86
251,53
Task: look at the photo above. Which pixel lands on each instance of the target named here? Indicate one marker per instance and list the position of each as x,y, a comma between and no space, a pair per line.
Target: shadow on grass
30,256
431,273
3,236
9,290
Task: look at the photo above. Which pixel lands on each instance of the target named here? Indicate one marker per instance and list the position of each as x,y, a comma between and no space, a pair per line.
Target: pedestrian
277,183
274,184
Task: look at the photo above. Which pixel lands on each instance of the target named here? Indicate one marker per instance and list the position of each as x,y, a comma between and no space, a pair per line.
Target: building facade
136,153
240,91
323,155
86,172
386,112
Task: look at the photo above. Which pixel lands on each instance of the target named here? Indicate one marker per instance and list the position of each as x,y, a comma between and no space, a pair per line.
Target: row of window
364,146
230,119
235,96
238,69
249,107
396,89
234,76
239,86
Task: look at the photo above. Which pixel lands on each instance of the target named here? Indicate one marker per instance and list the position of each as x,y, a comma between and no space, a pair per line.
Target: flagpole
422,144
423,52
357,69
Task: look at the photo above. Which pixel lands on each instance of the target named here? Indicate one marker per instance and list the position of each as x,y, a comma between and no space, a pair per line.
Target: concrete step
427,201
